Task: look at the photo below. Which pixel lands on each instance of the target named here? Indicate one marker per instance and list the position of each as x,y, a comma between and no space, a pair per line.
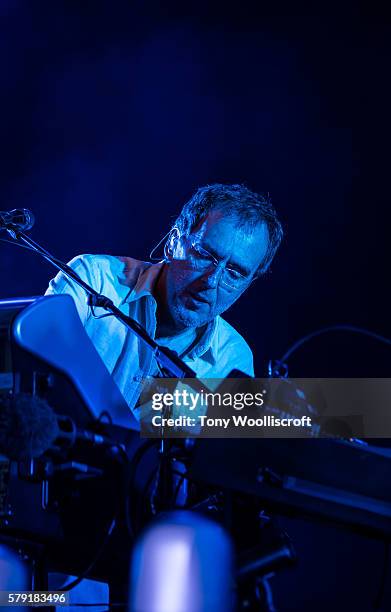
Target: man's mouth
198,298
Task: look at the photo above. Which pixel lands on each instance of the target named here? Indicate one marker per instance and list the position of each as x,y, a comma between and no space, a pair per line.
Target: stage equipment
66,435
18,219
330,479
182,562
68,493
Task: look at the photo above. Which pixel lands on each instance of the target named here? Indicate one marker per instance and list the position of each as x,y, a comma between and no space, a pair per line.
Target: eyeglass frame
215,262
213,259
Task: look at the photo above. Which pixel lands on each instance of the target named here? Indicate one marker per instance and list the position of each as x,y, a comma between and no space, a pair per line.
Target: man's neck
165,325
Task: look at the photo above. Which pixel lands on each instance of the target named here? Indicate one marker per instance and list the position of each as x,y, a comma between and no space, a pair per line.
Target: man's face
194,297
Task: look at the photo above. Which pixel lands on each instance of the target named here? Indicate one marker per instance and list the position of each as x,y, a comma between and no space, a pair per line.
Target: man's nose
212,276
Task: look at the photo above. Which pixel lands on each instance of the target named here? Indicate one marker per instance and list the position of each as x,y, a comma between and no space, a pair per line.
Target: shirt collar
144,286
144,282
205,347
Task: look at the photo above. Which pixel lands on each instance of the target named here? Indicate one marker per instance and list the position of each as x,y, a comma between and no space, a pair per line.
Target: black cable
71,585
22,246
180,482
106,539
38,248
154,478
324,330
129,481
182,476
102,316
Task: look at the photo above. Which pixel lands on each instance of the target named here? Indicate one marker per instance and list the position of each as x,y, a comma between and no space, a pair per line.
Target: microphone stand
171,365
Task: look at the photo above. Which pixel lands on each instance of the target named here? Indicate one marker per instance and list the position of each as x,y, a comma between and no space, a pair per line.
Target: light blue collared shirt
129,284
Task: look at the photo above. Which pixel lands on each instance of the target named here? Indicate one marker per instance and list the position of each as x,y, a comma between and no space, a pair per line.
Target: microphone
18,218
29,427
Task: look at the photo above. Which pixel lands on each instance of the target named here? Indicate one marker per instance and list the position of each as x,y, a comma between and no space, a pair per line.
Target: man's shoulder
228,336
108,262
111,269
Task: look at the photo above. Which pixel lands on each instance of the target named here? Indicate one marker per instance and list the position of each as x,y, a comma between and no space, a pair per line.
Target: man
224,237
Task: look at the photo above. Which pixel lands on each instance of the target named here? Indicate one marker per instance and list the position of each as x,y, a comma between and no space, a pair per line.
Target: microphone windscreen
28,220
28,426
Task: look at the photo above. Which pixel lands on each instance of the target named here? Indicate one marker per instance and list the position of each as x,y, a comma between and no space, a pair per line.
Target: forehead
242,246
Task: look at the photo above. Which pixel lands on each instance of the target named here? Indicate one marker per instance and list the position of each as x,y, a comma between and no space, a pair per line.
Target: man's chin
190,318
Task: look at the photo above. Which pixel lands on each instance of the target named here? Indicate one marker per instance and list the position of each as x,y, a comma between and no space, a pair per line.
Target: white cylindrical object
182,563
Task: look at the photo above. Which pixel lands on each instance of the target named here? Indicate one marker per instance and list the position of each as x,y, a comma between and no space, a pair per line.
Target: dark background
112,113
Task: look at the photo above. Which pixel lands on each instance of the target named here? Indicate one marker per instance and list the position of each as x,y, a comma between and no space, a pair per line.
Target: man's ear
171,244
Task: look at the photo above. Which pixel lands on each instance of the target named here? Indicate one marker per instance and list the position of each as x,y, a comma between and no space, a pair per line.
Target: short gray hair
249,209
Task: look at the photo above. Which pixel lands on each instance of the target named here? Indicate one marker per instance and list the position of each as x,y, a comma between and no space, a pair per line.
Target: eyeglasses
200,259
